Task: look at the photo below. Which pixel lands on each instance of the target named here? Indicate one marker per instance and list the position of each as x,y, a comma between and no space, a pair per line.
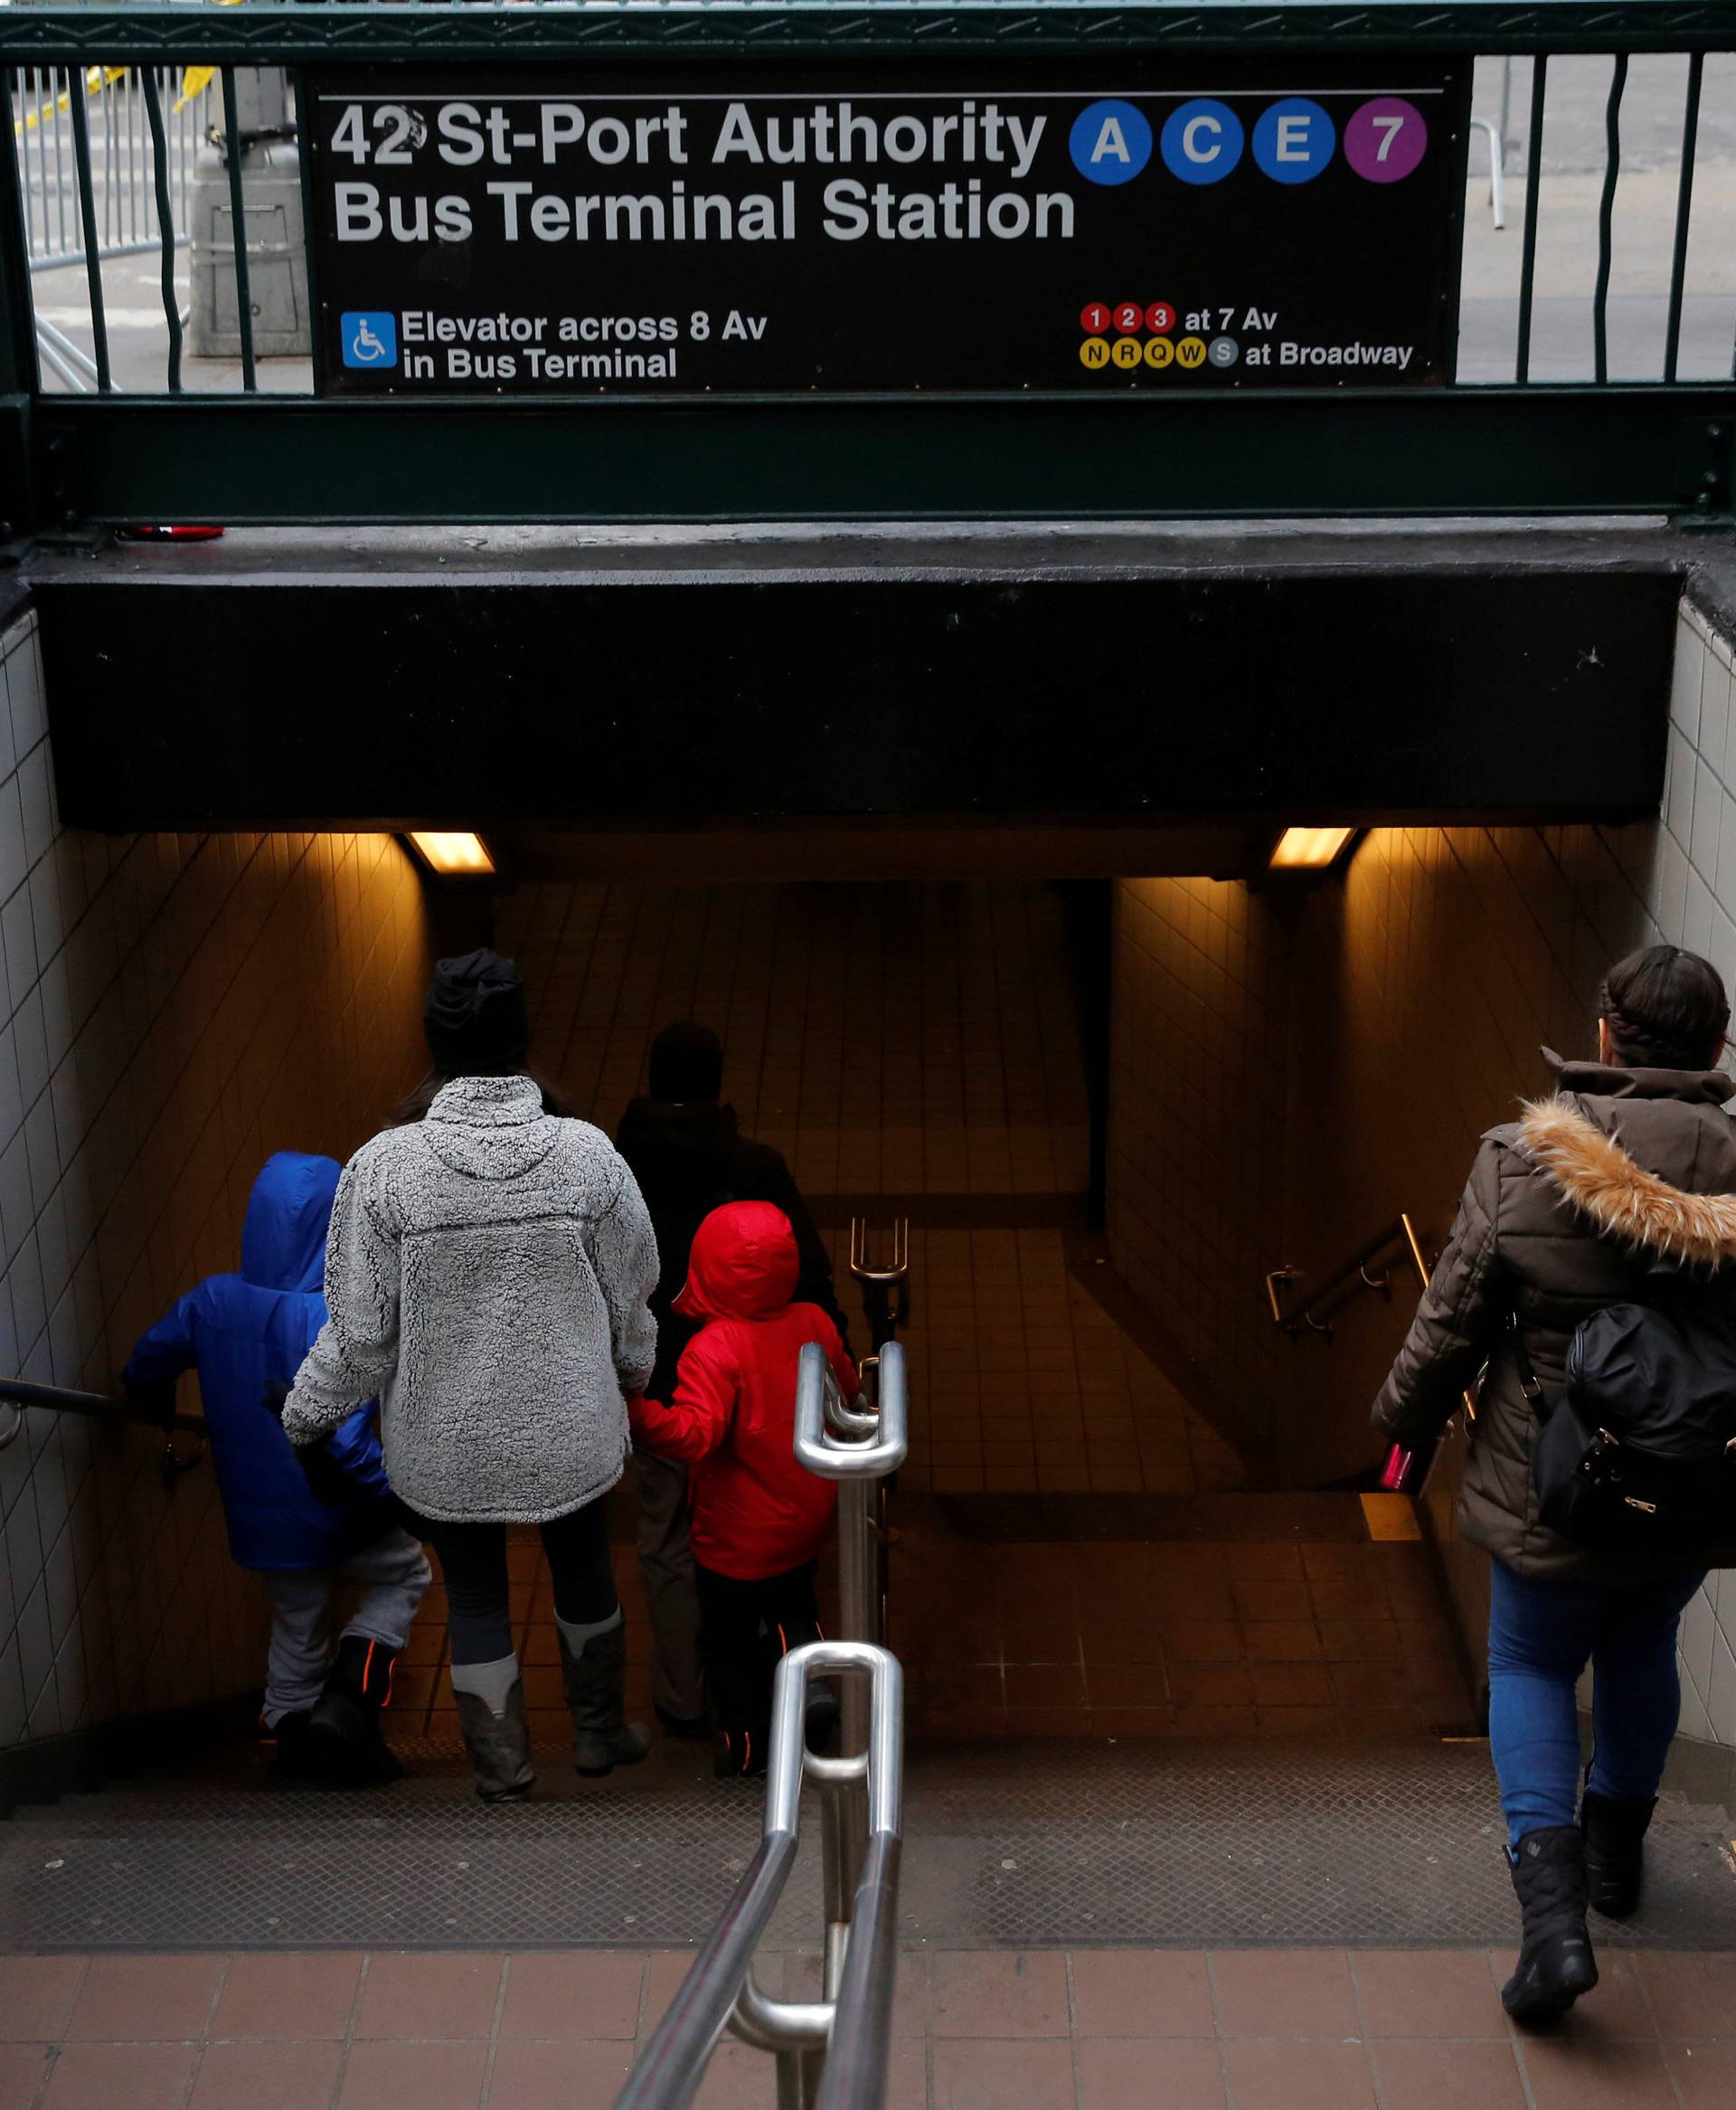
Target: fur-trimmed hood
1644,1210
1621,1175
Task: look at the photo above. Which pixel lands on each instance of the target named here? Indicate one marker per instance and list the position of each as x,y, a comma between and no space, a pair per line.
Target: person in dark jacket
689,1157
759,1517
246,1334
1631,1165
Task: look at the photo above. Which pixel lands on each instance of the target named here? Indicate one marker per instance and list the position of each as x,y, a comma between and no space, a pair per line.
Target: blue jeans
1542,1635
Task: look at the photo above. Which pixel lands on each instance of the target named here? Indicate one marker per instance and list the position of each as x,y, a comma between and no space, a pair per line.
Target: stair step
1015,1844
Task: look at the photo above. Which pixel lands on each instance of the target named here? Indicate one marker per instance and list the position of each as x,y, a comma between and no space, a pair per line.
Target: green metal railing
1663,444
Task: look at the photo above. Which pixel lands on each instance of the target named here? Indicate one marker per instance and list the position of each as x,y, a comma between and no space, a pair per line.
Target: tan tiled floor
888,1039
1178,1637
1092,2029
1172,1638
1020,1381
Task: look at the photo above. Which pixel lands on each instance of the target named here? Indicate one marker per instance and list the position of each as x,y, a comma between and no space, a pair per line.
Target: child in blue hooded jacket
246,1334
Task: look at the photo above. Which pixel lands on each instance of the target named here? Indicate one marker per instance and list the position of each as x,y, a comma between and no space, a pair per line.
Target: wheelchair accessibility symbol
368,339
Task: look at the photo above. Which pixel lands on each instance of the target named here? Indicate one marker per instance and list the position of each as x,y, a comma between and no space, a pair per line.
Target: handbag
1636,1457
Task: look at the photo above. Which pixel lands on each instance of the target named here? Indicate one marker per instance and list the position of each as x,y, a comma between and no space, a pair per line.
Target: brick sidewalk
1092,2029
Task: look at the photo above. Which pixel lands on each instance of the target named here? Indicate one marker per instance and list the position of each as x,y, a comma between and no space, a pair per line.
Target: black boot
821,1708
821,1716
498,1745
345,1748
686,1729
595,1679
1615,1852
289,1733
741,1754
1555,1963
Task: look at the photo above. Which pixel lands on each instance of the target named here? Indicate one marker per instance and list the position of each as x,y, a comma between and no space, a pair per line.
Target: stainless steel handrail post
841,1824
858,1609
778,2026
855,1465
719,1990
854,2069
885,1290
856,1449
799,2079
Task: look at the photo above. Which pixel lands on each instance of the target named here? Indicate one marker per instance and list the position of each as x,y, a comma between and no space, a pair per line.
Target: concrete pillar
277,256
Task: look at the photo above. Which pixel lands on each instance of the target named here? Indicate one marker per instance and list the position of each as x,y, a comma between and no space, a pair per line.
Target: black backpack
1637,1455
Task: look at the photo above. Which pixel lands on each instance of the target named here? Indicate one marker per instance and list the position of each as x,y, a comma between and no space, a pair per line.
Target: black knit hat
476,1018
686,1065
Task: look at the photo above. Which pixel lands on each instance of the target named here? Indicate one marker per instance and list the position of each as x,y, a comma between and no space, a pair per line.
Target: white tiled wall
1414,990
172,1008
1690,899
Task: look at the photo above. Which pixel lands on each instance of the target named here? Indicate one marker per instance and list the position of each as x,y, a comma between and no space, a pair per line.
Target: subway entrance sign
1087,226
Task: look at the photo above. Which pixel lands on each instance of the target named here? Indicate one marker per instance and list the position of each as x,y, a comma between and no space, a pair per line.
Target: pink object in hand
1404,1471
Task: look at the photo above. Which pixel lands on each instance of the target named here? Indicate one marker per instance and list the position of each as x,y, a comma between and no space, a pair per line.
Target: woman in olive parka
1630,1166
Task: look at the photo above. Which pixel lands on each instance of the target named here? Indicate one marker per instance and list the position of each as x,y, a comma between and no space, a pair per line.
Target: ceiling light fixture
452,854
1310,849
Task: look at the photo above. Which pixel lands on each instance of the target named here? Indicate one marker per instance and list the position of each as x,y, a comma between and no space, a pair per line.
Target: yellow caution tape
95,78
197,79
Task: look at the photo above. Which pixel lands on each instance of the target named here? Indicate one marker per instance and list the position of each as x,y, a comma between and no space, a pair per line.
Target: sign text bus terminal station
953,229
748,260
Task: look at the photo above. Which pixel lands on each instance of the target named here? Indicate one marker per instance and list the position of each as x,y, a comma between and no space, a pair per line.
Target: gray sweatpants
666,1572
396,1573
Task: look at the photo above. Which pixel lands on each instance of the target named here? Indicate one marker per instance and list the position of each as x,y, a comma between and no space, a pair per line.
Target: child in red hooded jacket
760,1518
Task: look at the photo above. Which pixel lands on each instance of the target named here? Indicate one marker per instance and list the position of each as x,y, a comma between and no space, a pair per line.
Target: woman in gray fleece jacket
487,1273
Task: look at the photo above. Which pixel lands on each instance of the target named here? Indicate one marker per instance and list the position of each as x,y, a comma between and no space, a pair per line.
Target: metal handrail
896,1268
873,1442
1403,1471
857,1447
852,1421
719,1992
20,1393
64,1400
853,2076
672,2064
885,1283
850,1462
1344,1284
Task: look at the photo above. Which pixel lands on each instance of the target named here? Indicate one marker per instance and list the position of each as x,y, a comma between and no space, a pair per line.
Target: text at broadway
972,158
853,228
